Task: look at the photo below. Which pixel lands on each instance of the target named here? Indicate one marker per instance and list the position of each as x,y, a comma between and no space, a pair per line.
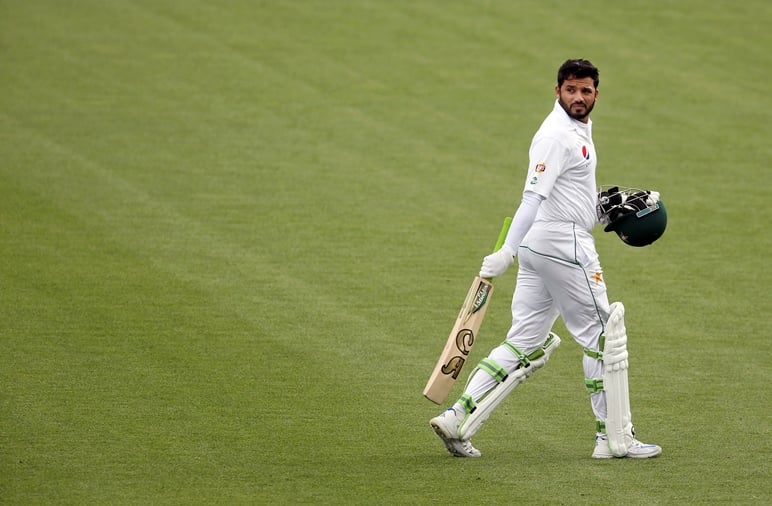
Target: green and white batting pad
492,399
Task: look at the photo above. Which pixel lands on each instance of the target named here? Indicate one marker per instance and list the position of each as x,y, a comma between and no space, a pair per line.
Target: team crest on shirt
540,167
585,153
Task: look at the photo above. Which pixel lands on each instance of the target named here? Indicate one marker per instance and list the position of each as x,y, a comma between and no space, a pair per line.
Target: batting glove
609,204
652,198
613,203
497,263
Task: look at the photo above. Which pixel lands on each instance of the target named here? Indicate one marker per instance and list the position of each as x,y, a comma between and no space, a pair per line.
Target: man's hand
609,205
497,263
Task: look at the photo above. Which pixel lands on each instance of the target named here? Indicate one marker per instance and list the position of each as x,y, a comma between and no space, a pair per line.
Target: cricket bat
464,333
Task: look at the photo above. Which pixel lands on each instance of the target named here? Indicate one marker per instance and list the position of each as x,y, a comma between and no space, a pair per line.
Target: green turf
234,236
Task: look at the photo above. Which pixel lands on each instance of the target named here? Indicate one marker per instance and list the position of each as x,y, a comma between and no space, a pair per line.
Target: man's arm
497,263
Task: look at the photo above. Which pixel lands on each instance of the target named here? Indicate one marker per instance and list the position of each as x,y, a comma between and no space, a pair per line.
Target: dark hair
578,69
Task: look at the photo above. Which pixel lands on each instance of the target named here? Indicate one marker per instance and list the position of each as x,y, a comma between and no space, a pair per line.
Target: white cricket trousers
559,274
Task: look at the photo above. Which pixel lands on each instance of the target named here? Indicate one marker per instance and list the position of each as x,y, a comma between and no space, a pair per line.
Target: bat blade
464,333
460,341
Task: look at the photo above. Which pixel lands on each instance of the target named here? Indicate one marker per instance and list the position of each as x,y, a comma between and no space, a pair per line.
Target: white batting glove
497,263
652,198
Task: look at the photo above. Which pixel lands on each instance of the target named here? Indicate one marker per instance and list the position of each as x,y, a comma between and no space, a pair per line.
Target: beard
578,113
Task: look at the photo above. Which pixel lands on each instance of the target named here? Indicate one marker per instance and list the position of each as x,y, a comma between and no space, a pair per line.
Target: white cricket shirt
562,170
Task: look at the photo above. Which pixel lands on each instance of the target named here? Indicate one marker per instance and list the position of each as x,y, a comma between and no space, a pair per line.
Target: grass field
234,236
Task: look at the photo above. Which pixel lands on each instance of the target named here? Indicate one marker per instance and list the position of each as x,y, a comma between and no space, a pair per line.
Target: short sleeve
546,158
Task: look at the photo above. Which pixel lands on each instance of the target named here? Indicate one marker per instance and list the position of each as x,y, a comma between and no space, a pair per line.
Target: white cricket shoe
635,449
446,426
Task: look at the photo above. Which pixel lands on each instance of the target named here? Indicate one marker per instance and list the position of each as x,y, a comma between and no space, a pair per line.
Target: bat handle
503,234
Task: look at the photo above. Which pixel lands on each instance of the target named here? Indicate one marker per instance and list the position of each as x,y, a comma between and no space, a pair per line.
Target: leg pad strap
593,385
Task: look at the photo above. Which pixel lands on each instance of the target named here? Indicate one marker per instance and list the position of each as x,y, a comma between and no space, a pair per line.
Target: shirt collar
578,124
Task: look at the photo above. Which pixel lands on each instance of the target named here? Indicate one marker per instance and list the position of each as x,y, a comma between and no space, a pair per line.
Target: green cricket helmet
641,228
639,219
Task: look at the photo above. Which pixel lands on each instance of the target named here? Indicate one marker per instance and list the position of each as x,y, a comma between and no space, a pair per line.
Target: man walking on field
559,274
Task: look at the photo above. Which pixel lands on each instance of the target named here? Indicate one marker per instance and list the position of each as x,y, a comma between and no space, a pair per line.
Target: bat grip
503,234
